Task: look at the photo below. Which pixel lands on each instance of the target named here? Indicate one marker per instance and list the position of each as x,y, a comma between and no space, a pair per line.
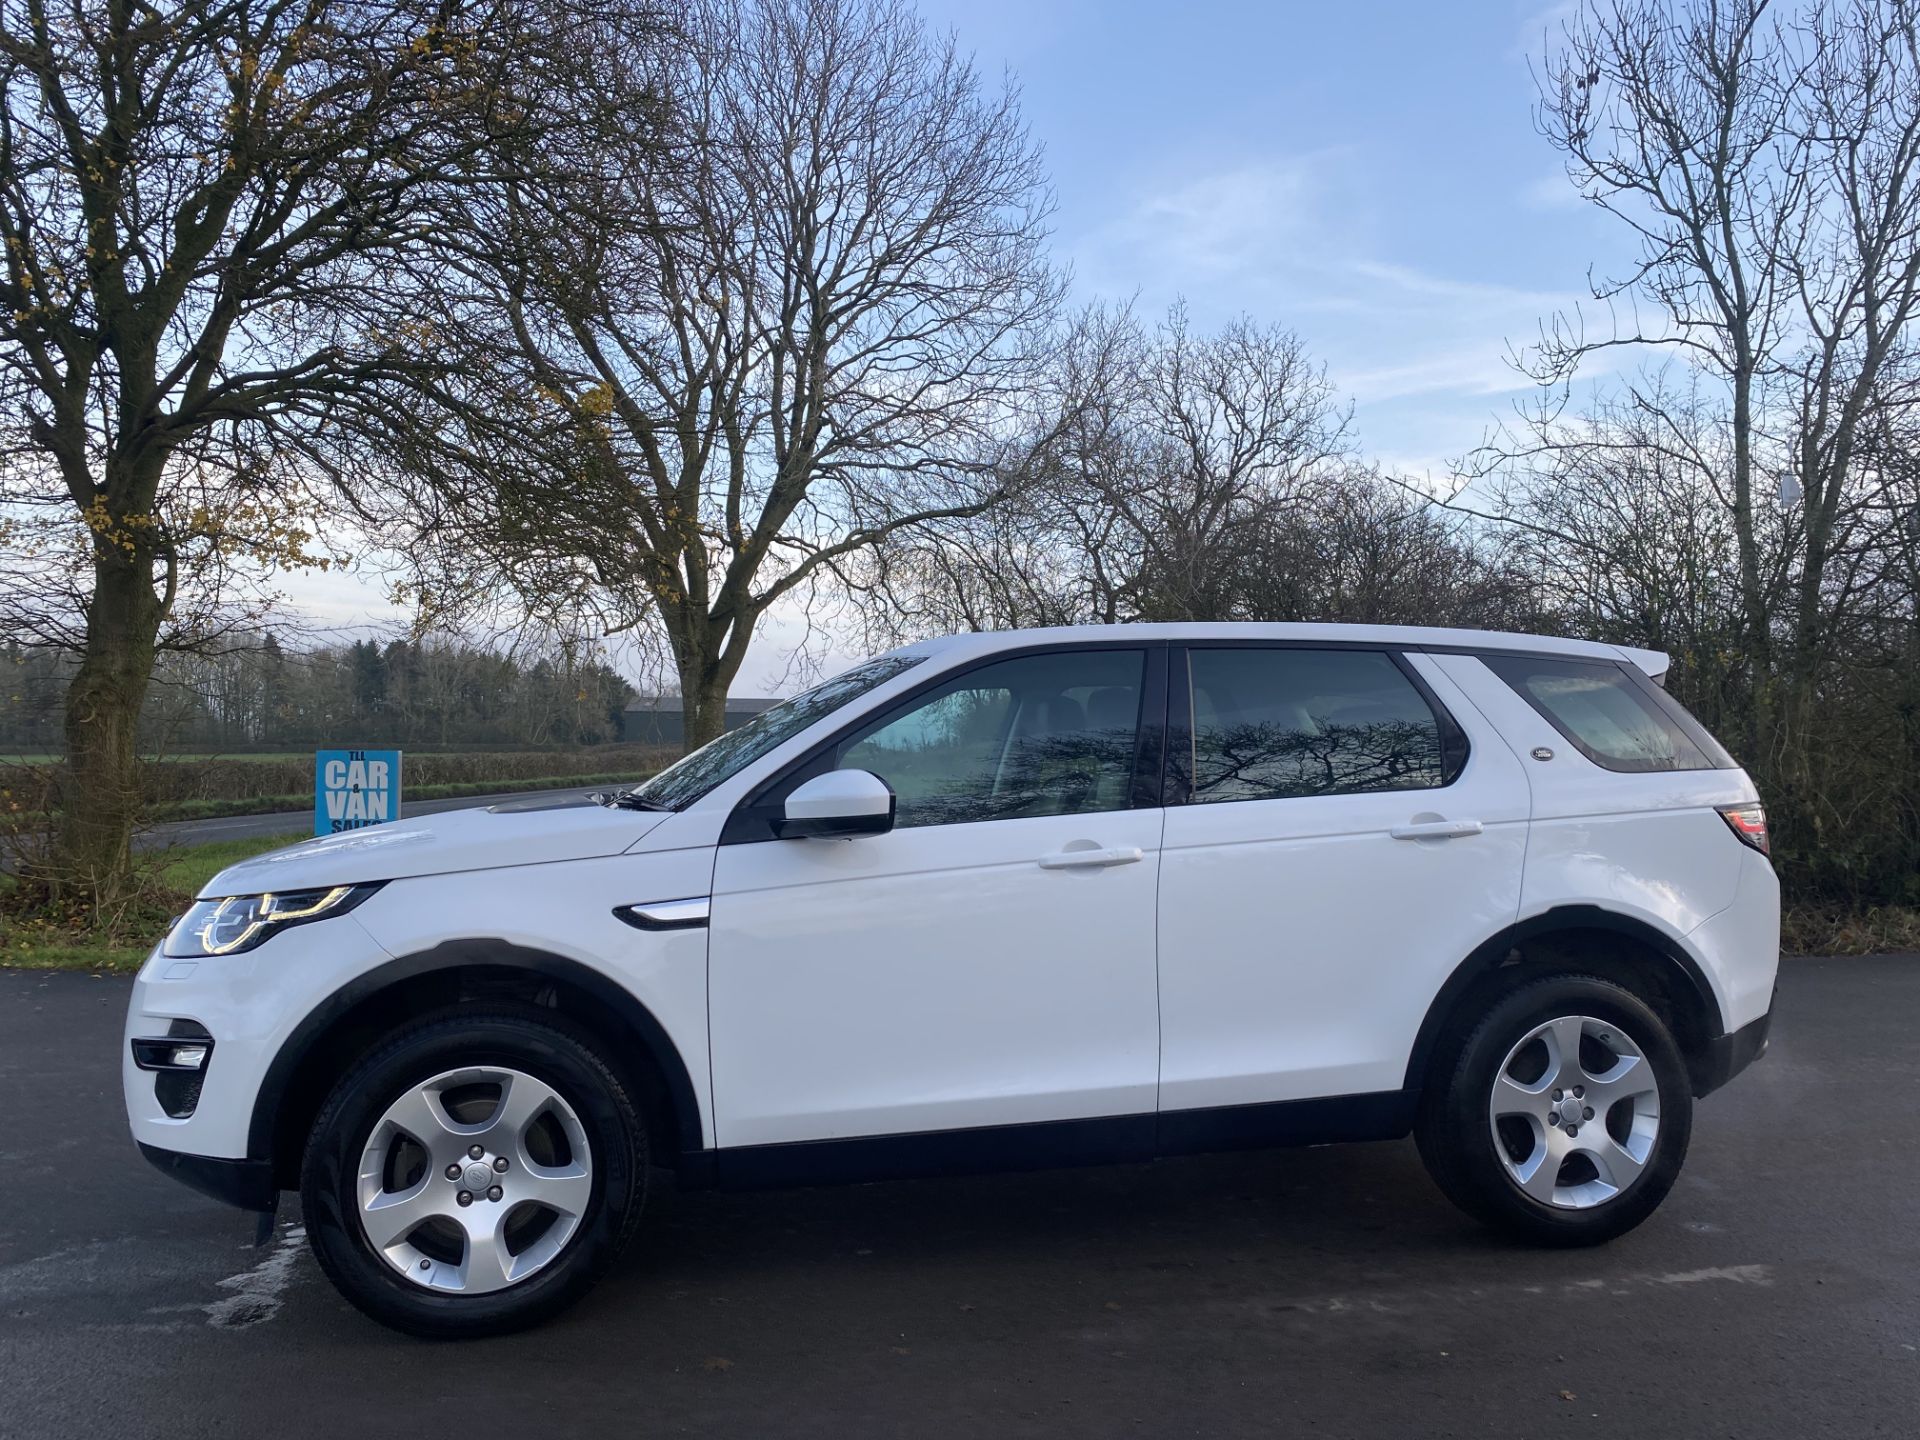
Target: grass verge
1824,930
181,871
249,757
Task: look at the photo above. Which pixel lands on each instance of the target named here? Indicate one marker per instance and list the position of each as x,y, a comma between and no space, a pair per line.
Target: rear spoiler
1652,663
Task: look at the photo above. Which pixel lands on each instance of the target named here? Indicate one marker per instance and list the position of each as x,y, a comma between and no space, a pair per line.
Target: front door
988,962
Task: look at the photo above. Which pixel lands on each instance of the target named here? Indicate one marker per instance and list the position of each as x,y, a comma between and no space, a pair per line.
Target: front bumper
245,1006
1727,1055
246,1183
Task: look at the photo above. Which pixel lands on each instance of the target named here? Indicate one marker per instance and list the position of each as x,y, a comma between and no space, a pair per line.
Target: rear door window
1616,720
1273,724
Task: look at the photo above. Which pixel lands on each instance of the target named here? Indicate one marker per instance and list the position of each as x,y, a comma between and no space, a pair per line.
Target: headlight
243,922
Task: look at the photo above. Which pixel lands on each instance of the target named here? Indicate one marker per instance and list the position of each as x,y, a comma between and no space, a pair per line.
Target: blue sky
1366,174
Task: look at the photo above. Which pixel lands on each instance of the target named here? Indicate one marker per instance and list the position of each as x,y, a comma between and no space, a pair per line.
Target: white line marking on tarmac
1393,1301
1737,1274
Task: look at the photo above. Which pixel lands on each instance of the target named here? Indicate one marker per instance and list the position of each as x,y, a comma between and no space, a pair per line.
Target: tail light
1749,822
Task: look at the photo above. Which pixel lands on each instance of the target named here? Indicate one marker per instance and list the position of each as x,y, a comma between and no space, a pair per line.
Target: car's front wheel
1561,1114
474,1174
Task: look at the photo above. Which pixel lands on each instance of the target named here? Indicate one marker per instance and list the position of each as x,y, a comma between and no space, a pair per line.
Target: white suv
999,900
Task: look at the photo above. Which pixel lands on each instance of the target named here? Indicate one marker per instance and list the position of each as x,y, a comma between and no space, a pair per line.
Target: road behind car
297,825
1321,1292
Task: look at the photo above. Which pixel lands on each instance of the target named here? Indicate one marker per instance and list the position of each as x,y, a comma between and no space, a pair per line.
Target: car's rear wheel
474,1174
1561,1114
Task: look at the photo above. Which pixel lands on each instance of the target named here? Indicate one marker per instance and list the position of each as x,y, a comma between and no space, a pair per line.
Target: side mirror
840,802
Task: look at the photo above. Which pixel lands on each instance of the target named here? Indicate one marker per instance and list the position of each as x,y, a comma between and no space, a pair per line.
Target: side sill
1044,1145
1053,1144
1376,1115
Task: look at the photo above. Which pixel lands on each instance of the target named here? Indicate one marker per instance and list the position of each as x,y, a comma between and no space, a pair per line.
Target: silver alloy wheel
1575,1112
474,1180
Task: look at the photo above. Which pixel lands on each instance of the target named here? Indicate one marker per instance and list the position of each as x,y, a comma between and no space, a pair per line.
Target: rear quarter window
1614,718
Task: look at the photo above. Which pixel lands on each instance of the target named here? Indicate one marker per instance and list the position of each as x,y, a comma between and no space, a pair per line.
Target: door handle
1091,859
1437,829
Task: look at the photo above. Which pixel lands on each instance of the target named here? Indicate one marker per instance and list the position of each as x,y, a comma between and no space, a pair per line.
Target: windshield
687,779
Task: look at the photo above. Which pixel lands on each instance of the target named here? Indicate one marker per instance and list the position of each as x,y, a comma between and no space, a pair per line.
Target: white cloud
1431,474
1425,356
1540,31
1476,296
1211,228
1552,191
352,602
1473,370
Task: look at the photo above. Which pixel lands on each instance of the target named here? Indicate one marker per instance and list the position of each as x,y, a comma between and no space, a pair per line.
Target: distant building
656,719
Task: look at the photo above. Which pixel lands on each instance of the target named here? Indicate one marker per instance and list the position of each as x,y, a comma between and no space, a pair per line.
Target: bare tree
816,328
1765,164
1670,121
1229,432
1371,549
208,214
1170,460
1854,269
1619,518
1736,501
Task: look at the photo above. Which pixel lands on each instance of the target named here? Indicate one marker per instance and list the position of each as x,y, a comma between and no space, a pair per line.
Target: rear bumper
245,1183
1727,1055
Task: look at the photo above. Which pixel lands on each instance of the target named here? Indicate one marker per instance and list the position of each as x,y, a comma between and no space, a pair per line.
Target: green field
211,808
197,787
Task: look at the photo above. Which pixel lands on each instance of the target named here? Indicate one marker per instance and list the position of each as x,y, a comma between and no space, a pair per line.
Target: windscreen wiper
627,800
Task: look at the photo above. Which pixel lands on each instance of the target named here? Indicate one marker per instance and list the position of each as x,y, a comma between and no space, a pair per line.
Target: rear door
1343,829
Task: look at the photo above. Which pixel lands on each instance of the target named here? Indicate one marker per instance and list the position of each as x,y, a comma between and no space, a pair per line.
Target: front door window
1038,735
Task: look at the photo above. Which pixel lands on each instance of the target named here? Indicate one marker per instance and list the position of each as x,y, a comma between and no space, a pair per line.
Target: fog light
171,1054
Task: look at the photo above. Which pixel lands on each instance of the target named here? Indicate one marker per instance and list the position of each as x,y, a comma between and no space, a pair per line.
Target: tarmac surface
1327,1292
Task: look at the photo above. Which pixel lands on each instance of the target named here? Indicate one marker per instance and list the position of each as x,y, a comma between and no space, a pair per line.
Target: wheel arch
1618,947
355,1016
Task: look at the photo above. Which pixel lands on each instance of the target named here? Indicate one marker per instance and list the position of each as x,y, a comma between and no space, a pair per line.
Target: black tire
540,1045
1457,1140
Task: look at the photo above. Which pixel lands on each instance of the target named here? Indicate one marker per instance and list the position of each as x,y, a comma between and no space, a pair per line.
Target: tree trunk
703,695
703,710
101,799
708,654
1756,610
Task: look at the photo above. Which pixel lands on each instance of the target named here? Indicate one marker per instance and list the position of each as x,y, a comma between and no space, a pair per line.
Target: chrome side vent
688,914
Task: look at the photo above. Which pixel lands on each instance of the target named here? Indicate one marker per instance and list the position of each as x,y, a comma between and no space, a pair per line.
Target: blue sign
354,788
